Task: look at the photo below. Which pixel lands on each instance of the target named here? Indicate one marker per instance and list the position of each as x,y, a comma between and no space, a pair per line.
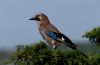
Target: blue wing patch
52,35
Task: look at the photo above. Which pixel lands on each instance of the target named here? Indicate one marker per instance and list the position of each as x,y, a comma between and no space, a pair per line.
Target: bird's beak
32,18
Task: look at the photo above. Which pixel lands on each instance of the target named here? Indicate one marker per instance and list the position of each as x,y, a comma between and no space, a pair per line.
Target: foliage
93,35
40,54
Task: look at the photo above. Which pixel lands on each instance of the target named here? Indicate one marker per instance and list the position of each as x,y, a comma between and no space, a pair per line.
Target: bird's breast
47,38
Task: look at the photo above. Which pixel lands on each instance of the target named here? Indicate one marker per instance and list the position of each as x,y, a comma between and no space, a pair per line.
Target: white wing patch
62,39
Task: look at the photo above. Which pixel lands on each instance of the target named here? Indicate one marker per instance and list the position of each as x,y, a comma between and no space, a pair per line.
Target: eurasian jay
50,33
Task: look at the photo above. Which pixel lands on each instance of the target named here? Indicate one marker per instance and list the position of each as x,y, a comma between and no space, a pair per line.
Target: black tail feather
74,47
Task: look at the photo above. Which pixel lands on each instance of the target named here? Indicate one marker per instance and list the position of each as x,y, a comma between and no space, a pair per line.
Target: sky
71,17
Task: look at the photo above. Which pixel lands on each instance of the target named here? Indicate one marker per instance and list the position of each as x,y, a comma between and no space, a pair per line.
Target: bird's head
39,17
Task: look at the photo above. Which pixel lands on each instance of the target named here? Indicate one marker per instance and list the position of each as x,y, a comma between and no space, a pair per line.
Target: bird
51,34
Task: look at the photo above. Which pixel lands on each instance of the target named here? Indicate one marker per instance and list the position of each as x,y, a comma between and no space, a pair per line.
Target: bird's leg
54,46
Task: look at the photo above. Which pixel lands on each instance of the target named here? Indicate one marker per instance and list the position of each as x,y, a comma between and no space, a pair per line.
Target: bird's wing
52,32
51,27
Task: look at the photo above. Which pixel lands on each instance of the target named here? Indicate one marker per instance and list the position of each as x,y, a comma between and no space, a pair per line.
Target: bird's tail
82,53
74,47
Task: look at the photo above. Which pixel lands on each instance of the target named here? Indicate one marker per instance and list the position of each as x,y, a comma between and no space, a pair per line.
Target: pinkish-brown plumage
50,33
